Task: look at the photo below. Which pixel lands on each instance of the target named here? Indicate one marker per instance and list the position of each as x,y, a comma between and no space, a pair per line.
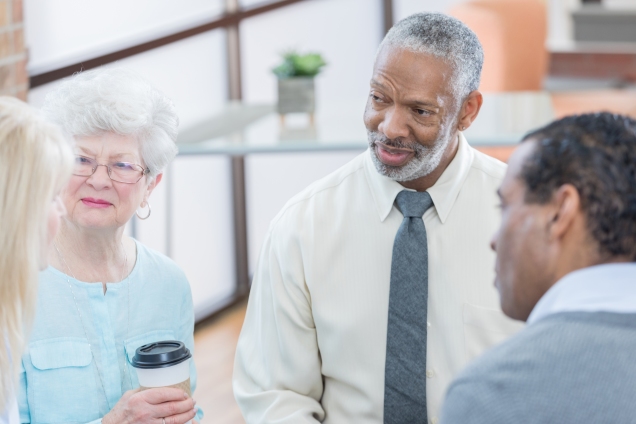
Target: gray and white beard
425,161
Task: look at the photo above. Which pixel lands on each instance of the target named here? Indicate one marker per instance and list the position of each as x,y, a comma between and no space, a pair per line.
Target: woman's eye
123,165
82,159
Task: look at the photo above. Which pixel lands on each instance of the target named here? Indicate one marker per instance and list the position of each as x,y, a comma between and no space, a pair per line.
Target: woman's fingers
169,409
181,418
163,394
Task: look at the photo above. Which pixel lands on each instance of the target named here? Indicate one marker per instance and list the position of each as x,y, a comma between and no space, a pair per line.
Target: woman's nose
100,177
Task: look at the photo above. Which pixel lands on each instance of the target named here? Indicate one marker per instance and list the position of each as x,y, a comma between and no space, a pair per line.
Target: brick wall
620,66
14,80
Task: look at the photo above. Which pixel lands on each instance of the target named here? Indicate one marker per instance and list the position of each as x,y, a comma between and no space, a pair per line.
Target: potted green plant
296,88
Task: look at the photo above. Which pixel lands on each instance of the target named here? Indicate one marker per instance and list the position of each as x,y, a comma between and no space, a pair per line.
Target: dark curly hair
596,153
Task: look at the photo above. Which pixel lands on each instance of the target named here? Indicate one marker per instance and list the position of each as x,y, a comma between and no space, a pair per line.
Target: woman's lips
393,156
95,203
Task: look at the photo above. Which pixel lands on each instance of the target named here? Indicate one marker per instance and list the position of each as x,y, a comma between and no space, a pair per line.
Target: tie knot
413,204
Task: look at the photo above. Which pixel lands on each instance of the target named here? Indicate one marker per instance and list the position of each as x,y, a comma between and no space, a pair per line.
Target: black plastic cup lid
160,354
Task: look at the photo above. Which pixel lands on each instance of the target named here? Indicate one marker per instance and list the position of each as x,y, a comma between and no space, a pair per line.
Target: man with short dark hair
566,253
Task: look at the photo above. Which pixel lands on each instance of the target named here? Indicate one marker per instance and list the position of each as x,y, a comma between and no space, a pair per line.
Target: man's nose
394,124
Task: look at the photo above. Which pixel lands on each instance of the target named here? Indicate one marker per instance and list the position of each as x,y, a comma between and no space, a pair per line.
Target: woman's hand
150,406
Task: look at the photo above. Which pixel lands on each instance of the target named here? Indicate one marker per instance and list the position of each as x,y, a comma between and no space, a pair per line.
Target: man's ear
565,208
469,110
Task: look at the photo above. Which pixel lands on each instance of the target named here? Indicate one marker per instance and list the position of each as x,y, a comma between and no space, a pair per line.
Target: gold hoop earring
147,216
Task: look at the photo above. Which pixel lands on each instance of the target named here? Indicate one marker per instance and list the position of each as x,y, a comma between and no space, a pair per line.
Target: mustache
400,143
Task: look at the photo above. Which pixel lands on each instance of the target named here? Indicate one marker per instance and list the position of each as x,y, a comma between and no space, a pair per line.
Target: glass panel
203,231
60,32
191,72
289,173
345,32
251,3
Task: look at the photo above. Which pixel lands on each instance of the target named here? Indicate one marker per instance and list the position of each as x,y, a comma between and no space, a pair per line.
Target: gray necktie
405,368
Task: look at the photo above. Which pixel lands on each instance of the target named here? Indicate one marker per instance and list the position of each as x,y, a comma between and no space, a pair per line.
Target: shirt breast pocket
485,328
62,381
135,342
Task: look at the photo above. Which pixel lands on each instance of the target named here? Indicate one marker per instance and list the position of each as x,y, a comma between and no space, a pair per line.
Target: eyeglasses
122,172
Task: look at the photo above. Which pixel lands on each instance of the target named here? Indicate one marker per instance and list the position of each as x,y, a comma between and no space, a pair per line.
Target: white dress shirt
313,346
600,288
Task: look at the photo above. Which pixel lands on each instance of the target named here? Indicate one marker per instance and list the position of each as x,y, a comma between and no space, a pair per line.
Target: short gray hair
445,37
120,101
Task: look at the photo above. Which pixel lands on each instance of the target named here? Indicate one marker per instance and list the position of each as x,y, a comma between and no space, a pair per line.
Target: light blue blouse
66,380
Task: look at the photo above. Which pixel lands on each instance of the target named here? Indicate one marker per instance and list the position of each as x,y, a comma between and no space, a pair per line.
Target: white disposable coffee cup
163,364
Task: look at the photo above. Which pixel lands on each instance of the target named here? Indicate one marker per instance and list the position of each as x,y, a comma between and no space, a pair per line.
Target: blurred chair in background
513,34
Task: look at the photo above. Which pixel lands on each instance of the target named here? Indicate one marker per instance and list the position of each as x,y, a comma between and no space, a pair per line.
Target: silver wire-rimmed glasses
122,172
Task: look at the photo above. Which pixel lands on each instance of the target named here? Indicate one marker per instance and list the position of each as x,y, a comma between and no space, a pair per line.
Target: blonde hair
35,163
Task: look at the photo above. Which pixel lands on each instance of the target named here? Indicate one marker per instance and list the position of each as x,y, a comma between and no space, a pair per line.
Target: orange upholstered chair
513,35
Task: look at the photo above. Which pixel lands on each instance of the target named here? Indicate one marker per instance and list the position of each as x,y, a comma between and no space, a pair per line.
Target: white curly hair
121,101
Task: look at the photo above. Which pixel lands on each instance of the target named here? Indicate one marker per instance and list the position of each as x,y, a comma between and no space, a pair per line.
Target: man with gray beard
375,284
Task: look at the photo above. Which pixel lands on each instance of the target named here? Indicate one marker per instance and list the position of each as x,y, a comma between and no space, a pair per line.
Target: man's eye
376,98
422,112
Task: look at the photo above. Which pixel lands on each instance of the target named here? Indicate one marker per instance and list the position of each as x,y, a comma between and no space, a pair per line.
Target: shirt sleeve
277,376
186,335
23,402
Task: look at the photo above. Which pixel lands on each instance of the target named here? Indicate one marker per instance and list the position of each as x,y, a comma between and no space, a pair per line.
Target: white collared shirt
600,288
313,346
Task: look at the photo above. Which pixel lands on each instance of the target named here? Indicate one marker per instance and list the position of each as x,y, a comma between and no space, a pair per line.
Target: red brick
612,60
7,76
6,44
22,95
18,41
593,65
21,74
4,13
17,11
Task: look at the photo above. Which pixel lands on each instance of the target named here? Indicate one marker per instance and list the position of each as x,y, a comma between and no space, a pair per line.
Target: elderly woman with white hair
106,294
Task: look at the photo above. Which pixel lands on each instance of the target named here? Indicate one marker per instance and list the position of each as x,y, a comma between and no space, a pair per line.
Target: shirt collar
600,288
443,193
